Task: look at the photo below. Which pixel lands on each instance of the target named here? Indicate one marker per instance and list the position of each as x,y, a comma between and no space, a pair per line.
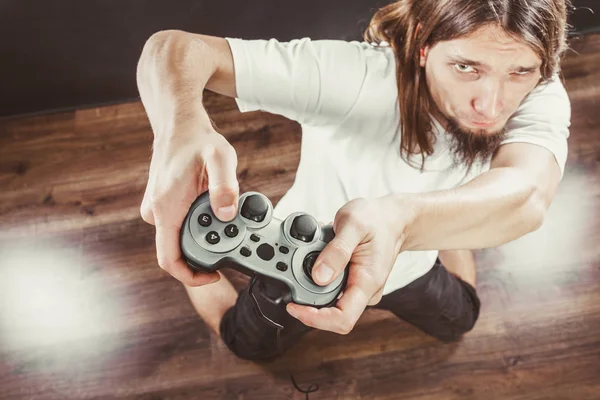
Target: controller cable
313,387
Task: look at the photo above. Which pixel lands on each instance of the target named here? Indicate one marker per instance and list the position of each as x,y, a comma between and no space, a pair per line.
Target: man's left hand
367,241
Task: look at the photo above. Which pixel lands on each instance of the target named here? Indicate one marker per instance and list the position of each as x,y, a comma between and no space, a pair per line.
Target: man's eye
464,68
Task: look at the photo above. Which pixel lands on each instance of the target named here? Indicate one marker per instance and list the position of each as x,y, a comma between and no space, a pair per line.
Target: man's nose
489,103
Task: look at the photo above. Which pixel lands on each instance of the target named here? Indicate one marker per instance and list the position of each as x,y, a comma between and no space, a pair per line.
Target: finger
223,187
336,255
169,258
146,209
339,319
376,297
146,206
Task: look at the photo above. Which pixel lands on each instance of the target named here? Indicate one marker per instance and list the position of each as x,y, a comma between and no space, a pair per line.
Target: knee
256,348
457,329
463,323
465,320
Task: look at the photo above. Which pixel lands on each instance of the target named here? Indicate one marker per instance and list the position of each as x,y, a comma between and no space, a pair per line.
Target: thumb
223,186
336,255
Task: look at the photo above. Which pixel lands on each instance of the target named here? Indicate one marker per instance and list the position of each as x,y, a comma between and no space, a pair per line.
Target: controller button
282,266
309,262
265,251
212,237
255,208
284,249
231,230
304,228
254,238
246,252
205,219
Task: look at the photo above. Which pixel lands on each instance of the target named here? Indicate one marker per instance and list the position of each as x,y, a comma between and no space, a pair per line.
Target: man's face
477,82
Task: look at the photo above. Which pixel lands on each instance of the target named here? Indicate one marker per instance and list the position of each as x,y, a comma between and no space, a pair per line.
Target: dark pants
438,303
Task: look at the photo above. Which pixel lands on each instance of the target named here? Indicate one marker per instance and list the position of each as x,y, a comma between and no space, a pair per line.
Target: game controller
257,243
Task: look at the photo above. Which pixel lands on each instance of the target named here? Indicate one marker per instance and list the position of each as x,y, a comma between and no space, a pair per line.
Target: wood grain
86,313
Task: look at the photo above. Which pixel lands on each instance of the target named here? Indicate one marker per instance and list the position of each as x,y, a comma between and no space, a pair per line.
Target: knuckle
353,217
146,210
225,187
164,263
346,327
145,214
375,300
341,247
224,151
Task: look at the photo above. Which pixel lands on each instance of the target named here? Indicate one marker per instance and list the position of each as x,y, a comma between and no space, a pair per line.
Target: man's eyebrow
461,60
465,61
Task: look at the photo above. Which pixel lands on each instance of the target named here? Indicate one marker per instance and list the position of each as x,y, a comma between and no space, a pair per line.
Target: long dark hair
541,24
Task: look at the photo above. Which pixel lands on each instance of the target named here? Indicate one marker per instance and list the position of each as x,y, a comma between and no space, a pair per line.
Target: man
469,88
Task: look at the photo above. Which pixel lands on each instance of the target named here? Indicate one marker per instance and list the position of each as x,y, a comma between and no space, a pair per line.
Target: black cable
312,388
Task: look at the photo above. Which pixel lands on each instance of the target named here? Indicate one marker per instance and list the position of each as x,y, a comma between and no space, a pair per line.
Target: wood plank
85,312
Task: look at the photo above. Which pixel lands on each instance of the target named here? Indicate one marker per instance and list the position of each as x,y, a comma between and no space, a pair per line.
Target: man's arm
188,156
174,69
498,206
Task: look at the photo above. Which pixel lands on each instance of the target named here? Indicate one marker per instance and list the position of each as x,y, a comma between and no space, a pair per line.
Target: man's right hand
189,156
183,166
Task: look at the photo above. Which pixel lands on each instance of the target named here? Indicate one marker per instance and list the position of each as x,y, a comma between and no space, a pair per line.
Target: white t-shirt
344,95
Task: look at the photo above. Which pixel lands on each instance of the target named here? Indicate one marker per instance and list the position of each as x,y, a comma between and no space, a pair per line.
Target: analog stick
255,208
309,262
303,228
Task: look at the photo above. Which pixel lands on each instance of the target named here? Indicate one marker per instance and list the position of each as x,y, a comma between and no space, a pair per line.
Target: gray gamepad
255,242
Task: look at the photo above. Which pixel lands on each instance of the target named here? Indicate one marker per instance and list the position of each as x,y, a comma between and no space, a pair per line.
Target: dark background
65,54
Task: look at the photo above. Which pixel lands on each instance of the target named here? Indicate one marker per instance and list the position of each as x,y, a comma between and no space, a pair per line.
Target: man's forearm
496,207
172,73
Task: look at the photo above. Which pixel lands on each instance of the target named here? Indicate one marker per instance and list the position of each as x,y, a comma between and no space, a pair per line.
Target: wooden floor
85,312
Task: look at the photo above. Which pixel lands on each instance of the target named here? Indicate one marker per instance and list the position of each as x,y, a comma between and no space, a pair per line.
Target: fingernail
227,213
324,273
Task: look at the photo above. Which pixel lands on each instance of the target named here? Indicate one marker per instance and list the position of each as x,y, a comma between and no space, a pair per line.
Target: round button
309,262
231,230
265,251
255,208
204,219
304,228
212,237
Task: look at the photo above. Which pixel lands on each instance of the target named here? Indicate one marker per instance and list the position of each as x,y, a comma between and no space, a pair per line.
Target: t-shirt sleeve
312,82
543,119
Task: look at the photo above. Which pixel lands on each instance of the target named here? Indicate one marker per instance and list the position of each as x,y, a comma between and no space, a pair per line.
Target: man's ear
423,56
422,52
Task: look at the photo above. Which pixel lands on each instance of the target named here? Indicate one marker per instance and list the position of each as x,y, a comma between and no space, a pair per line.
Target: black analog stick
309,262
255,208
303,228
